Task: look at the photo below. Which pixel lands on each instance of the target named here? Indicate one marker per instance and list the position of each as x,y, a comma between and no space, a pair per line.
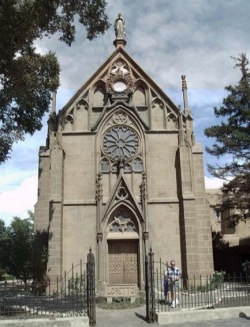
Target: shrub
218,278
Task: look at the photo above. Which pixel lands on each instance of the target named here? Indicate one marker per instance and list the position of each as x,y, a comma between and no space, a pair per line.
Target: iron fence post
150,287
91,304
147,287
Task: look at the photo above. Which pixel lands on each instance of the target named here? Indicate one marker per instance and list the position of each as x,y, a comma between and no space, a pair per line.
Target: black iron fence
215,291
73,295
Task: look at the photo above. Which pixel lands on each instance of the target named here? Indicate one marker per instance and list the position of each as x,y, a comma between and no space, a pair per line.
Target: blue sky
167,38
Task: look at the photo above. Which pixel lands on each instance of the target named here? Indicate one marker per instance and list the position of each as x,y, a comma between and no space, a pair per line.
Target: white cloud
18,200
167,39
212,182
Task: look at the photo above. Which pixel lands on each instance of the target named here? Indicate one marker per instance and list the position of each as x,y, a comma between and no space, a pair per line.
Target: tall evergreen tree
232,142
27,78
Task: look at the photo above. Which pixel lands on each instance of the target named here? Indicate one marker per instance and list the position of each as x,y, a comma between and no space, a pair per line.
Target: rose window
120,142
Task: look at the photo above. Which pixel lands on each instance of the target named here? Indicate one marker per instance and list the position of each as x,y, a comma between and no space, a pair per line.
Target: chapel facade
120,173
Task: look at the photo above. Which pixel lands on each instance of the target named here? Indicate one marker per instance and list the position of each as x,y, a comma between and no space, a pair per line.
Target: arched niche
139,96
122,225
172,121
158,114
99,95
104,165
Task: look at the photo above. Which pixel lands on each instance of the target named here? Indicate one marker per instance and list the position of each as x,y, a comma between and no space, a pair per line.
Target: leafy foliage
218,278
23,252
218,241
232,139
16,246
26,77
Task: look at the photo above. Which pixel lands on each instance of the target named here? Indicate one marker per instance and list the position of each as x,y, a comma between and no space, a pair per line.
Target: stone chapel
120,173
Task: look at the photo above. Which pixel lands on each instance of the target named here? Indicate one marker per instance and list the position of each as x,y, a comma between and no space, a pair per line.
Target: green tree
232,143
16,247
27,78
2,230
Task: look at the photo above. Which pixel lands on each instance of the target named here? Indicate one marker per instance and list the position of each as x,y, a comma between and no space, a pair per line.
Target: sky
167,38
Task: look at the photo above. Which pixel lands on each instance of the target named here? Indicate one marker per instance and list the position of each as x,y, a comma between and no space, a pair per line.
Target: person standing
173,275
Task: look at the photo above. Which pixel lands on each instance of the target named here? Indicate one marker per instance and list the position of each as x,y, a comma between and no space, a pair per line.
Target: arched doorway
123,248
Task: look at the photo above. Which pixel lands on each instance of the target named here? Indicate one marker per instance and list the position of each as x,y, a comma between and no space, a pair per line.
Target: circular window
119,86
120,142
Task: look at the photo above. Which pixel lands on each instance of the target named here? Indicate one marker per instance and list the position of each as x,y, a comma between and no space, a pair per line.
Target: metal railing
216,291
74,295
203,293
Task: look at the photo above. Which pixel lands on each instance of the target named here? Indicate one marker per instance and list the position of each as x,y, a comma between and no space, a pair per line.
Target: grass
119,303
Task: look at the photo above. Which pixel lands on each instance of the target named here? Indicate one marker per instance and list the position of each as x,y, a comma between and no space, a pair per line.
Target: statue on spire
119,27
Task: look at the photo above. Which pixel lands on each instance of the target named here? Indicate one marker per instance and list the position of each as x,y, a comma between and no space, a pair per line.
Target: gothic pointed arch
99,94
185,162
172,121
121,135
122,196
122,224
158,114
76,117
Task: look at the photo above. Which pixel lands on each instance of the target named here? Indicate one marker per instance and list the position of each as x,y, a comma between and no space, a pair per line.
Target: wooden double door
123,262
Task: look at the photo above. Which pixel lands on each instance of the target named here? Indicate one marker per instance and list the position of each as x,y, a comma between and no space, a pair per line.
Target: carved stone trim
146,236
99,237
99,192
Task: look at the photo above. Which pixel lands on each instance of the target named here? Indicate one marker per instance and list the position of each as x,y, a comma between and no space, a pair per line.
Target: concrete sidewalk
229,317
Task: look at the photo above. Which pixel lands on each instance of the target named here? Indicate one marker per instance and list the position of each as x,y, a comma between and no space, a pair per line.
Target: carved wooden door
123,262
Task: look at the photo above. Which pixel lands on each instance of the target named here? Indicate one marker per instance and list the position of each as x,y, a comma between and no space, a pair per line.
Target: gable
119,79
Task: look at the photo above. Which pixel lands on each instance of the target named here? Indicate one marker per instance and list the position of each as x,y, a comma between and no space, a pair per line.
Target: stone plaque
121,290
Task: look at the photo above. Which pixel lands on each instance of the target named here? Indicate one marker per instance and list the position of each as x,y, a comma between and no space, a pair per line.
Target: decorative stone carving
122,225
120,142
119,27
184,83
157,103
172,122
82,104
144,187
120,84
120,117
145,236
99,192
119,68
122,193
69,119
99,237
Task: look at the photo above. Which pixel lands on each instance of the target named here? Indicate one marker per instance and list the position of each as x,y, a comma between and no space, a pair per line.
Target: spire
184,91
120,32
187,119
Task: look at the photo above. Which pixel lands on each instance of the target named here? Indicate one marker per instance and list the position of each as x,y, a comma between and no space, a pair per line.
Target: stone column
99,234
55,212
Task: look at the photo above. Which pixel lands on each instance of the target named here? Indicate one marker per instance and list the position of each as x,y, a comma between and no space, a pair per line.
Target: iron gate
73,295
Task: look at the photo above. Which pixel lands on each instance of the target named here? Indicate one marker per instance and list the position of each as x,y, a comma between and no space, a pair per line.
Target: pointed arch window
127,168
105,167
122,222
120,141
138,165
